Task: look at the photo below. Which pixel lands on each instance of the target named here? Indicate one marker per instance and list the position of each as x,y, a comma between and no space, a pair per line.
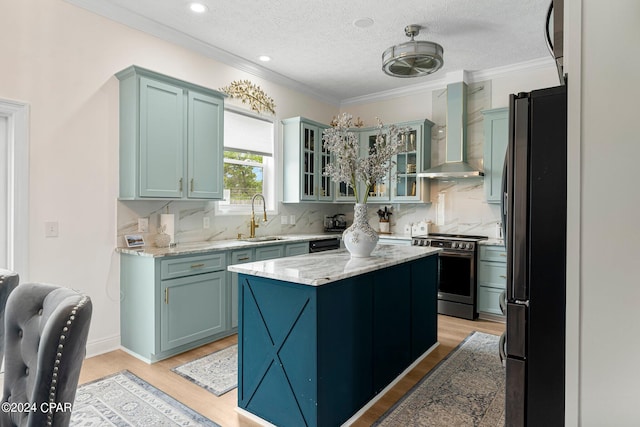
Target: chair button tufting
40,312
20,333
26,371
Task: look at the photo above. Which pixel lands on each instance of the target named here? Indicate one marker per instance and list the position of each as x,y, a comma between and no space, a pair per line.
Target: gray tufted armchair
8,282
46,329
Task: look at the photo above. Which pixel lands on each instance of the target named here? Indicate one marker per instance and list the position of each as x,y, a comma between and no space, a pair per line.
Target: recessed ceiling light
264,58
363,22
198,7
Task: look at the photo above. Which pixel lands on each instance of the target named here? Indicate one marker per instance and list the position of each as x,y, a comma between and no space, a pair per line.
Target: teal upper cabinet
304,162
205,146
402,183
414,156
496,137
171,138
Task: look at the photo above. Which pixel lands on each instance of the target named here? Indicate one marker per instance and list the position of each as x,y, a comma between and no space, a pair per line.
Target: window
248,161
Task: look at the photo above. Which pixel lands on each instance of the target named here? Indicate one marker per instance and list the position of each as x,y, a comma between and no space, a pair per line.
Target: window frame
269,172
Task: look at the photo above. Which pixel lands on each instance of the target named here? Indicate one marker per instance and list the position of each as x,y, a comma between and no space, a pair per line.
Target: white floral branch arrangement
348,166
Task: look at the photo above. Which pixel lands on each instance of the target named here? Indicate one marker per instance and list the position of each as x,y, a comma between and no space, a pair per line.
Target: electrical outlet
51,229
143,225
292,219
284,219
206,222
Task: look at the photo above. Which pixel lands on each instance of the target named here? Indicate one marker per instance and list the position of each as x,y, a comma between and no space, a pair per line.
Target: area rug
464,389
123,399
216,372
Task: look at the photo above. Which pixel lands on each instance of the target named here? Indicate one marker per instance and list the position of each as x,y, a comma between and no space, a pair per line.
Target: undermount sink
261,239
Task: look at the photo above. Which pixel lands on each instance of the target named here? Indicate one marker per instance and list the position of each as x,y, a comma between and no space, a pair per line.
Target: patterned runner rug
216,372
124,400
464,389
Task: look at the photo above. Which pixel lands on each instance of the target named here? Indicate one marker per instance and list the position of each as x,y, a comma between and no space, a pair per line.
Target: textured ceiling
315,43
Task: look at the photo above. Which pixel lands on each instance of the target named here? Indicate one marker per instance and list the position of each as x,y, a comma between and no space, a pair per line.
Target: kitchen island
320,335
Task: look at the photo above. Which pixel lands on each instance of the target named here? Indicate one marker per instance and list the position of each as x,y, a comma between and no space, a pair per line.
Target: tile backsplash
189,220
458,206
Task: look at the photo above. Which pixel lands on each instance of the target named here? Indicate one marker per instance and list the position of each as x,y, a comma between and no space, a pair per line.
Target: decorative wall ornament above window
358,123
250,93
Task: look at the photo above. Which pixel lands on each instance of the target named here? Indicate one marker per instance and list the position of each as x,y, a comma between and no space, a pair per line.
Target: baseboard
492,317
105,345
256,419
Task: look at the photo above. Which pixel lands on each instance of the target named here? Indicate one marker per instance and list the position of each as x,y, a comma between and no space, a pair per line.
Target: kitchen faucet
253,225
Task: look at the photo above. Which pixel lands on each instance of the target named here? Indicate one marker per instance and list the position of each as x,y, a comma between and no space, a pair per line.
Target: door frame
17,167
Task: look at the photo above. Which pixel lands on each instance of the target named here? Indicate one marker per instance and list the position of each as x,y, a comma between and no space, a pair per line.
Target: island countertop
316,269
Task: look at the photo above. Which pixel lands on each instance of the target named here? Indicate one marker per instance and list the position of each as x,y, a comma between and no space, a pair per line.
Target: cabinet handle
180,182
504,277
243,258
192,185
197,265
166,295
503,254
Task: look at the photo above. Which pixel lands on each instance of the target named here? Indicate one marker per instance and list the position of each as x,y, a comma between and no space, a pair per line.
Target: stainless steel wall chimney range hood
455,165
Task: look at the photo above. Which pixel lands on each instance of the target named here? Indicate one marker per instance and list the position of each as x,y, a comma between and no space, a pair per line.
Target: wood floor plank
451,332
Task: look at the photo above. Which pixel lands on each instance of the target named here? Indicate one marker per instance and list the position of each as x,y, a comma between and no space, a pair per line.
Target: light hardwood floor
451,332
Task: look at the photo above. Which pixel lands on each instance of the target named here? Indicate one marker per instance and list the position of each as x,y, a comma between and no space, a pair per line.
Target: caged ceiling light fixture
414,58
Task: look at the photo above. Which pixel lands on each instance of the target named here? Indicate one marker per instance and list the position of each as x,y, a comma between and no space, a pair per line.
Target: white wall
607,280
61,59
4,195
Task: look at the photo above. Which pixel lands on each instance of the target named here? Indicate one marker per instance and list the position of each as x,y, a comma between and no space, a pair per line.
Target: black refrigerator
534,209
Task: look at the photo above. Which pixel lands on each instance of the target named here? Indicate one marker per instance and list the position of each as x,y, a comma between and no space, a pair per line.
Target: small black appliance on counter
335,223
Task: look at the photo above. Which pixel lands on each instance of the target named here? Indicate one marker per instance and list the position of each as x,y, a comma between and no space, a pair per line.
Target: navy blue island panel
314,355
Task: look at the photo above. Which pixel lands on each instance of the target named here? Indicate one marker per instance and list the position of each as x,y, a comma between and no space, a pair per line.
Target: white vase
360,239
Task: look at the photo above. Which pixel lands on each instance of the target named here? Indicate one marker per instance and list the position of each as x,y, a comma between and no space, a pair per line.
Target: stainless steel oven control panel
444,244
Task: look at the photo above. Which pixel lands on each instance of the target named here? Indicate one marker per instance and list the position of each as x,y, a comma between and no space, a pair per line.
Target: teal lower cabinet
292,249
269,252
172,304
314,355
492,278
194,308
239,256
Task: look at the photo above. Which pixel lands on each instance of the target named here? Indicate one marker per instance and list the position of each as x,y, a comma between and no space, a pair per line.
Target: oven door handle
457,254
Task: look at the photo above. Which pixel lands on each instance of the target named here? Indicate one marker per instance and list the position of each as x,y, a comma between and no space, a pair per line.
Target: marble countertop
325,267
492,242
397,236
221,245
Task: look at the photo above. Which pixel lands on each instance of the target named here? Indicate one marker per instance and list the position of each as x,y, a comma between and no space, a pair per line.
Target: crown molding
149,26
462,75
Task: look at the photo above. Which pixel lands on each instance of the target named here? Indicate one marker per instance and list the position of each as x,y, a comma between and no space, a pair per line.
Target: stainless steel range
457,268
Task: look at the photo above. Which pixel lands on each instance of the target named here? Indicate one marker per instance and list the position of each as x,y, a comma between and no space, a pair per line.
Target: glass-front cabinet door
407,183
380,191
304,162
345,193
308,176
326,185
413,157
